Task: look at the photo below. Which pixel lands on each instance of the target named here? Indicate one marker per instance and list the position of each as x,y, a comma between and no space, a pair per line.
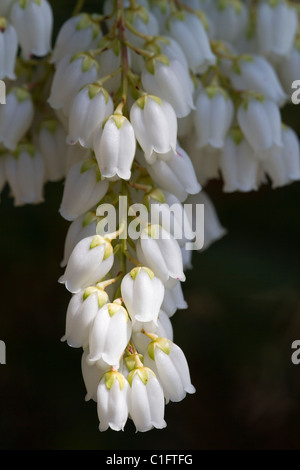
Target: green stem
79,6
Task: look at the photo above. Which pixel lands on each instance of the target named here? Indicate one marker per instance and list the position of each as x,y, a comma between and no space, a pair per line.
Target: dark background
244,314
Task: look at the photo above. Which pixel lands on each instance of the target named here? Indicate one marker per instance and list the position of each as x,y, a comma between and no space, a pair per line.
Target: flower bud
91,259
25,172
155,126
16,117
83,189
9,49
112,401
142,294
115,147
78,34
109,335
33,21
90,107
146,400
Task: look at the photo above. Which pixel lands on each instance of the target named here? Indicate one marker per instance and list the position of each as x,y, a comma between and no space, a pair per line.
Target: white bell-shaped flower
5,7
276,28
255,73
190,33
158,250
8,48
109,61
169,79
71,74
84,226
146,400
142,293
112,401
175,175
213,117
173,300
33,21
213,229
79,33
238,164
53,147
91,374
75,154
167,210
109,335
155,126
83,189
25,172
90,107
81,312
288,69
230,19
143,21
172,369
260,121
16,117
114,147
91,259
283,165
164,328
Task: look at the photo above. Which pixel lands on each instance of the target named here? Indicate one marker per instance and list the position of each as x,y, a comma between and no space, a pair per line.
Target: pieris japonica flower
146,400
79,33
173,300
16,117
213,229
91,259
84,226
75,154
260,121
82,310
164,328
190,33
83,189
5,7
155,126
176,174
33,21
112,401
289,68
167,210
255,73
8,48
91,374
283,164
90,107
109,335
114,147
169,79
71,74
276,29
25,171
238,165
52,144
144,22
142,293
213,117
230,19
159,251
171,367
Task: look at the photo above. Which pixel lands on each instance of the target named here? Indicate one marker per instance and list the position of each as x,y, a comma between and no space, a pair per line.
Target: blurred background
244,313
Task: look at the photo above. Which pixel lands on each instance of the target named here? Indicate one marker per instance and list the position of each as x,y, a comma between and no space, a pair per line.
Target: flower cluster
148,100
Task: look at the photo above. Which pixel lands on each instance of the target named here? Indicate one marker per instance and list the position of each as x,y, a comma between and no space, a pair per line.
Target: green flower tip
143,373
161,343
135,272
110,378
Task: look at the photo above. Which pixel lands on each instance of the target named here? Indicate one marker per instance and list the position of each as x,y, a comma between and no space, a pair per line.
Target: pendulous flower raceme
144,101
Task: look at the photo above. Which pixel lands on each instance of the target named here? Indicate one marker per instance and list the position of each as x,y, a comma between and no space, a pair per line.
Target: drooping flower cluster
145,101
